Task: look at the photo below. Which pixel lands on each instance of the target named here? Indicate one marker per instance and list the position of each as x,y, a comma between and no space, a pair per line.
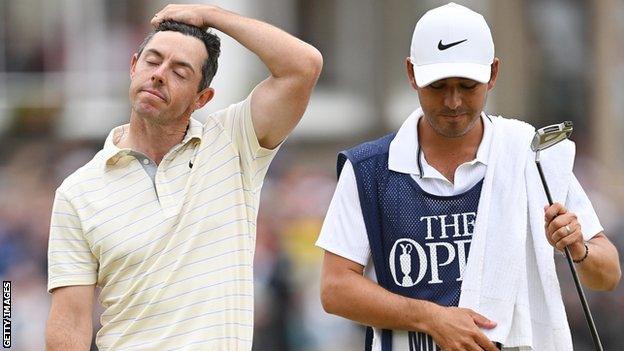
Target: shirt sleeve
70,260
238,123
344,232
578,203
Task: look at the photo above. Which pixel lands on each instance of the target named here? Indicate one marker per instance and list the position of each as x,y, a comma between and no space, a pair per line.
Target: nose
158,76
452,99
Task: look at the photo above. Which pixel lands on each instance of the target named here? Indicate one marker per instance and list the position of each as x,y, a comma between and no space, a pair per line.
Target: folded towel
510,269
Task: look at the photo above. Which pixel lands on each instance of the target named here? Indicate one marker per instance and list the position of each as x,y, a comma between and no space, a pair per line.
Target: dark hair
211,42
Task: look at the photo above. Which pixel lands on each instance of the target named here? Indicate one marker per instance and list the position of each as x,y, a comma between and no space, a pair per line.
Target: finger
156,20
553,211
559,231
560,222
472,346
485,343
552,230
571,239
482,322
567,234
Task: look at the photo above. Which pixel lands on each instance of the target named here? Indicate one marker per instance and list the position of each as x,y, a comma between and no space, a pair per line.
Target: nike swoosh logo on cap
450,45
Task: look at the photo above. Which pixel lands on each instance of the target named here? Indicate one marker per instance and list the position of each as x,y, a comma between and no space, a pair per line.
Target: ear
203,97
493,73
410,73
133,62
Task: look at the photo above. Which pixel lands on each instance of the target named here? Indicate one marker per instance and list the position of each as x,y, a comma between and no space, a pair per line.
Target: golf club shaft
579,288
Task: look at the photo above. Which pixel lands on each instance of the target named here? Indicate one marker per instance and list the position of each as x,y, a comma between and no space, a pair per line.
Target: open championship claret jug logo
440,254
406,247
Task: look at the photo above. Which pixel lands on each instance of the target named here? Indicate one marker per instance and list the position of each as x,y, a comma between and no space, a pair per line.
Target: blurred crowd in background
63,85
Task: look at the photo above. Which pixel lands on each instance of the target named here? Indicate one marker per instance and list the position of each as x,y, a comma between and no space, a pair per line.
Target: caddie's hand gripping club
543,139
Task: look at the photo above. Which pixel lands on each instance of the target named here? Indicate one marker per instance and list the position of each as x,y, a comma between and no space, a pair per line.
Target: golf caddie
451,214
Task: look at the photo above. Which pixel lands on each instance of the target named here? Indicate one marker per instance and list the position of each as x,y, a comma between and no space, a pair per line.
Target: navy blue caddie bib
419,241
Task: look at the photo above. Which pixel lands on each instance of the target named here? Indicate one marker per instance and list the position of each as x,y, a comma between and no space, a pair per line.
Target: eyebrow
176,62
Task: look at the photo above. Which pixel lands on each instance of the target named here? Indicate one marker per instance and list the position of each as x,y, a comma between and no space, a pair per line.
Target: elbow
615,277
616,280
328,295
609,282
316,63
311,65
62,333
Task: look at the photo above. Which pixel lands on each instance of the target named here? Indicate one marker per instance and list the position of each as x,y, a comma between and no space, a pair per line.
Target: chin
461,129
145,109
453,130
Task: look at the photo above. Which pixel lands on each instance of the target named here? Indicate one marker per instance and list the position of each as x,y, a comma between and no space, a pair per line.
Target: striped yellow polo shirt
172,254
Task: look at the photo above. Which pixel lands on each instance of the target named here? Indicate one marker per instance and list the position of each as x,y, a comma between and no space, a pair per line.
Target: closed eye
436,86
468,86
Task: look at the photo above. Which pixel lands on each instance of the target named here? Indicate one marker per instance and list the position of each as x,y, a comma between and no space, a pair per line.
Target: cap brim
427,74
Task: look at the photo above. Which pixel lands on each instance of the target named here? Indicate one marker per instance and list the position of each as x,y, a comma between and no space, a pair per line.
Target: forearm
601,269
357,298
283,54
63,335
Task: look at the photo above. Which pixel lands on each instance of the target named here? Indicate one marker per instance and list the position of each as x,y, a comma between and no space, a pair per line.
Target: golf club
544,138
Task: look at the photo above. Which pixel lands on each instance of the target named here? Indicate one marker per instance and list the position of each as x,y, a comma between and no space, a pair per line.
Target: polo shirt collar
111,153
403,151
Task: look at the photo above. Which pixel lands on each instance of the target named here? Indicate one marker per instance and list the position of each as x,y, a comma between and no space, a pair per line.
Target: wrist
220,19
423,314
207,14
581,253
577,250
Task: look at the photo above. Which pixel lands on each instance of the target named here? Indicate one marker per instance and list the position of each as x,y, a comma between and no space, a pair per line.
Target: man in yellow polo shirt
163,218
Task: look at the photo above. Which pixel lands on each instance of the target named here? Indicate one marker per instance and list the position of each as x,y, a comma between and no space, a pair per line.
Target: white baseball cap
451,41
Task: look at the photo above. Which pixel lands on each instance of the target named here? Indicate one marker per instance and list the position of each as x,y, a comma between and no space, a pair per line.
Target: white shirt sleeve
578,203
238,123
70,259
344,232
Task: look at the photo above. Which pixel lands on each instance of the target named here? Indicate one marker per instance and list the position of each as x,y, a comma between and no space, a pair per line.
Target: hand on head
194,15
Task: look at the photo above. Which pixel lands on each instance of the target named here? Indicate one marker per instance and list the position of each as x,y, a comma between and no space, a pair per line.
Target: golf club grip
577,282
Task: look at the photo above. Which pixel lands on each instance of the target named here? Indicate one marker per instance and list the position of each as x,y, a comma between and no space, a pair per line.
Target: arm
600,270
278,103
347,293
69,325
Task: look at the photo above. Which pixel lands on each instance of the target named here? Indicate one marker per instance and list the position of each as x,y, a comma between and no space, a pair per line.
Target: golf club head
550,135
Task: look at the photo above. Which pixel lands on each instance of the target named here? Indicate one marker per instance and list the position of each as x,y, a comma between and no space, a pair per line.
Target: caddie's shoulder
370,148
512,125
365,151
508,122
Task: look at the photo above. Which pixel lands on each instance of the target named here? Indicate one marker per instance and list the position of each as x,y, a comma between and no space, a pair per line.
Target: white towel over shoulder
510,275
